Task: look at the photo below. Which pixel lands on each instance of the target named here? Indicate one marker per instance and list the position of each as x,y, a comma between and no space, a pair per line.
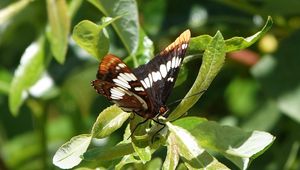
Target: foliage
49,98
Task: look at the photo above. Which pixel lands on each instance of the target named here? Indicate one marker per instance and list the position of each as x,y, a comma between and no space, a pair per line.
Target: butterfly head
163,110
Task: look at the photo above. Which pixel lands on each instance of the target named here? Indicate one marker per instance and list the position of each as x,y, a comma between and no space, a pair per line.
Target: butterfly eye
162,110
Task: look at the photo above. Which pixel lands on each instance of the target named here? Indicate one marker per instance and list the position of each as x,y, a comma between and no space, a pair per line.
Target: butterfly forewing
117,82
159,75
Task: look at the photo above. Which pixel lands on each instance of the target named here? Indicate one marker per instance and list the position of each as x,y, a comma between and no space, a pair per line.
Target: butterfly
143,90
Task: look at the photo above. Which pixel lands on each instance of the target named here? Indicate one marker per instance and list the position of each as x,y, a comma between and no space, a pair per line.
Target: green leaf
68,155
144,153
194,156
199,44
126,27
60,21
108,121
8,12
238,43
112,153
127,159
213,60
5,80
172,158
33,63
145,50
154,164
278,76
92,37
238,146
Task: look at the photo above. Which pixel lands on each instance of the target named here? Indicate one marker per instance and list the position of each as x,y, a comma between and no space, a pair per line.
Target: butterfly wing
116,82
159,75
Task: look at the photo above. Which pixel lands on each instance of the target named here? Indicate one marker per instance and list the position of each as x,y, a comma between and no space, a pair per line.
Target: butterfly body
145,89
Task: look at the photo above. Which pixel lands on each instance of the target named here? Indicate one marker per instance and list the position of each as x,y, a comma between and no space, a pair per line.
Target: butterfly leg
160,123
137,127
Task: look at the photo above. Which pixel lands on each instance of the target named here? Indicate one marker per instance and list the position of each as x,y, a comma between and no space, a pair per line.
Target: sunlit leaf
126,27
68,155
60,21
127,159
194,156
172,158
33,63
213,60
238,146
112,153
238,43
199,44
92,37
109,120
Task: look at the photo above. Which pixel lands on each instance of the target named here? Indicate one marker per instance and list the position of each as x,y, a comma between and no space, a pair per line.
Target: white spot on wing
171,79
144,84
163,70
184,46
125,77
150,79
116,93
132,76
168,65
138,89
122,65
173,62
147,82
121,83
156,76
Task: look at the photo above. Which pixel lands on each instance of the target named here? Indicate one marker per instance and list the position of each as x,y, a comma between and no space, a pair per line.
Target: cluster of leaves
188,138
266,98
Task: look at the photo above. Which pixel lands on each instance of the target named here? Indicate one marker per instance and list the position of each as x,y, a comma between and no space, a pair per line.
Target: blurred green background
257,89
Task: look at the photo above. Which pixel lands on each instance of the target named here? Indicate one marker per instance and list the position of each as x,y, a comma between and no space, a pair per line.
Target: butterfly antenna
179,100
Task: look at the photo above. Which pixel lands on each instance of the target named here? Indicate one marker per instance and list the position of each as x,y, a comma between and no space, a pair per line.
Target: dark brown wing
159,75
116,82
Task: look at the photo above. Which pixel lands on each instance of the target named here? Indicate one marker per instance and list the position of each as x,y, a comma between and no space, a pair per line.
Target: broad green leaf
278,75
126,27
194,156
33,63
69,154
213,60
238,43
238,146
92,37
109,120
115,152
8,12
60,21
